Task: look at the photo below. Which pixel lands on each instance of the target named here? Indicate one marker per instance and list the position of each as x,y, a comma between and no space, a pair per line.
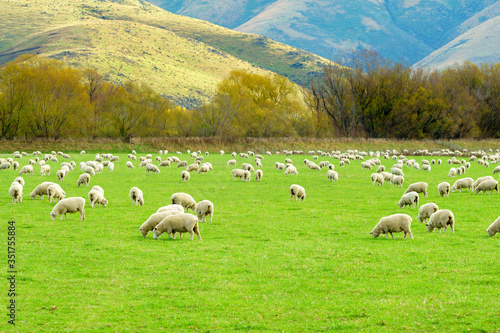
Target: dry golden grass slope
180,57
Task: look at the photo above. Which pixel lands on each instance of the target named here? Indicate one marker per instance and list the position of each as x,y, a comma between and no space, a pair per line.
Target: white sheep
177,223
297,192
487,185
155,219
69,205
45,170
129,165
291,170
16,192
111,166
408,199
203,169
55,191
192,167
203,209
462,183
136,196
426,211
164,163
237,173
153,168
246,175
377,178
232,162
90,170
183,199
452,172
19,180
494,228
83,179
98,188
40,190
258,175
444,189
185,175
426,167
441,219
332,175
393,223
96,196
397,180
182,164
5,166
420,187
60,175
26,169
387,176
479,180
171,207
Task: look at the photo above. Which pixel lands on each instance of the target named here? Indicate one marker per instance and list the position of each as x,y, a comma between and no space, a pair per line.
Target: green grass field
266,263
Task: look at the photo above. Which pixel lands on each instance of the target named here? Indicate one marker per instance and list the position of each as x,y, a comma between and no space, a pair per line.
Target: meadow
266,263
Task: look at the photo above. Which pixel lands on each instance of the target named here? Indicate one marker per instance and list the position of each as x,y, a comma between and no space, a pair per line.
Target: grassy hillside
180,57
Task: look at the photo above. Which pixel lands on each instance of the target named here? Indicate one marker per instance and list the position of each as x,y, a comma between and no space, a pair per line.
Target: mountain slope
480,44
133,40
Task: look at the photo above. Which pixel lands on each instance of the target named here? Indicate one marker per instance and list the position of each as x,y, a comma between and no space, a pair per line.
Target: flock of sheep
174,218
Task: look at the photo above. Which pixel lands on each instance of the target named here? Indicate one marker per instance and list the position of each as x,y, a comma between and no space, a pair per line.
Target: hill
405,31
180,57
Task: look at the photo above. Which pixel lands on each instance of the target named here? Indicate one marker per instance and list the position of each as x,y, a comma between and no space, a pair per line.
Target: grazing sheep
444,189
96,196
175,207
26,169
203,169
408,199
397,180
136,196
60,175
90,170
45,170
397,172
40,190
203,209
426,167
16,192
129,165
164,163
153,168
291,170
426,211
380,169
258,175
233,162
5,166
83,179
177,223
297,192
69,205
192,167
155,219
246,175
420,187
237,173
55,191
111,166
183,199
479,180
387,176
182,164
19,180
452,172
487,185
98,188
441,219
332,175
462,183
377,178
494,228
393,223
185,175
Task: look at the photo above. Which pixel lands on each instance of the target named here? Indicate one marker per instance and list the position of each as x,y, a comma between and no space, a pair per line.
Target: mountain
402,30
181,57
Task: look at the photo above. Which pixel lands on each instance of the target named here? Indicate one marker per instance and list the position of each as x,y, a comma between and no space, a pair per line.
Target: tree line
363,96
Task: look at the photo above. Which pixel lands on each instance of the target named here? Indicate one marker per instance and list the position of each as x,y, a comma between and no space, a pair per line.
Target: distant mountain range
427,33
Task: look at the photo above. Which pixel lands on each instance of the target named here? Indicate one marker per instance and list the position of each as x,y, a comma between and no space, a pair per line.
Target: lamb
174,207
96,196
494,228
16,192
153,168
441,219
155,219
426,211
40,190
184,199
136,196
462,183
129,165
203,209
297,192
408,199
479,180
420,187
55,191
377,178
397,180
237,173
258,175
177,223
185,175
83,179
45,170
26,169
444,189
69,205
487,185
332,175
393,223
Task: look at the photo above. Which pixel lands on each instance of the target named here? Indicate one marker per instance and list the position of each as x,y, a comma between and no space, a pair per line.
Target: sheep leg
197,232
391,234
82,214
211,218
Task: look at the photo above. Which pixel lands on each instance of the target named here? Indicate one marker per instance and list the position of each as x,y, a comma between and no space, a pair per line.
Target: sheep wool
393,223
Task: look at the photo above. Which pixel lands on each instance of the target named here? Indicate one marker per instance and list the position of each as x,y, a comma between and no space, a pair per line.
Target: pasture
266,263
